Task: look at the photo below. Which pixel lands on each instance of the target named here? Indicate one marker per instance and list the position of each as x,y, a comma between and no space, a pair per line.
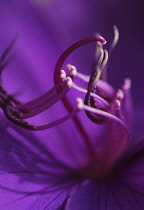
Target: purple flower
90,161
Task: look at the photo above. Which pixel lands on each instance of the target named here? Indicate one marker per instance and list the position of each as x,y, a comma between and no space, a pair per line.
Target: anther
117,104
72,70
119,95
13,115
115,39
105,115
105,59
16,111
73,47
127,84
80,104
62,75
69,82
97,70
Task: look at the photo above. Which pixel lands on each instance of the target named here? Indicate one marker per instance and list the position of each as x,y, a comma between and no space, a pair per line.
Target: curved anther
97,70
89,100
93,103
72,48
13,115
104,114
72,71
115,38
83,90
105,60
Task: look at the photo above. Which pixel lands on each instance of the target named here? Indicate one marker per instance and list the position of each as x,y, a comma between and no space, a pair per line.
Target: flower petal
122,190
29,171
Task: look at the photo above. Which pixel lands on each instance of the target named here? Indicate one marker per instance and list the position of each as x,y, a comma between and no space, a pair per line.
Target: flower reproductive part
101,102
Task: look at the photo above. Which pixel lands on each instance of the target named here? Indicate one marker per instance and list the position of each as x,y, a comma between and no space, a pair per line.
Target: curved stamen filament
105,60
104,102
73,72
39,100
97,70
43,102
61,120
115,39
100,84
42,127
46,103
15,112
101,56
73,47
92,89
83,77
103,113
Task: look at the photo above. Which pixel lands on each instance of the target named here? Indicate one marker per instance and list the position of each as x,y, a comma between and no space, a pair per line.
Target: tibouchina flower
90,161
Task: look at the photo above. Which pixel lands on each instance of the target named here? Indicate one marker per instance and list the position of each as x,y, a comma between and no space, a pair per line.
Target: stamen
104,102
72,71
9,111
119,95
127,84
63,75
69,82
101,55
92,89
48,99
47,102
83,77
73,47
13,114
115,105
97,70
105,60
62,120
115,39
104,114
47,96
100,84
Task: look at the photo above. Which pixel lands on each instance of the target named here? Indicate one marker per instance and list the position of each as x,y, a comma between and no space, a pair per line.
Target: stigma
100,102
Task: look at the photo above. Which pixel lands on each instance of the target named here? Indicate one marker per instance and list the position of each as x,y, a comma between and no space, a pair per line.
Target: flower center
97,100
16,111
101,102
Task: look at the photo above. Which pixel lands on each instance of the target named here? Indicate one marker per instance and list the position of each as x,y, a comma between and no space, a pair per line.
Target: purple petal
122,190
30,175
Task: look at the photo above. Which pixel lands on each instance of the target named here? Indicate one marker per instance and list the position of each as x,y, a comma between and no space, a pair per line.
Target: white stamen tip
80,104
62,75
74,73
127,84
69,82
117,104
119,95
72,70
